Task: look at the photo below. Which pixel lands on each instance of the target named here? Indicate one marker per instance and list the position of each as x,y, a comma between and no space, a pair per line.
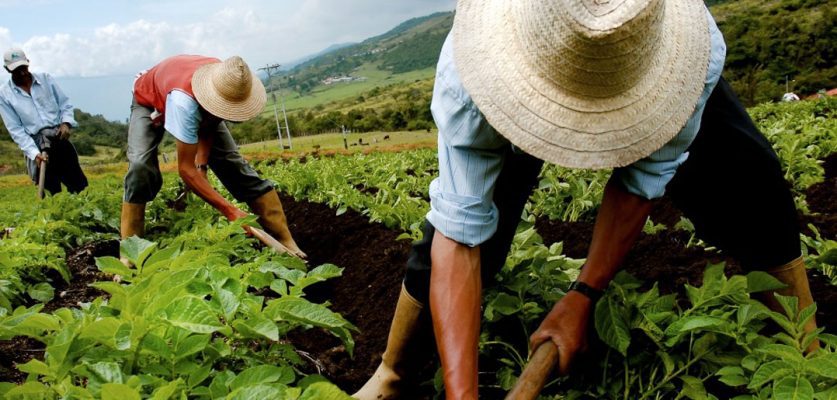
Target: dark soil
82,265
366,295
18,350
822,202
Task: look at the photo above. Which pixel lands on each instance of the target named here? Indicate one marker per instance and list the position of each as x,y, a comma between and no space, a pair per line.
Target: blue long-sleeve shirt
24,114
471,153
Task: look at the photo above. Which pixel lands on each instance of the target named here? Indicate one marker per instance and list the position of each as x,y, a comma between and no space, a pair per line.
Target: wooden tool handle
41,179
269,241
533,378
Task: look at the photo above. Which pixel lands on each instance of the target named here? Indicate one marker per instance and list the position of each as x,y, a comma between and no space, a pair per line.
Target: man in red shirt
190,97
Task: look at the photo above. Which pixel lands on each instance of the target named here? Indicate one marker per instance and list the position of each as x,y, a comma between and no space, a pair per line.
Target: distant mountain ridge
412,45
767,41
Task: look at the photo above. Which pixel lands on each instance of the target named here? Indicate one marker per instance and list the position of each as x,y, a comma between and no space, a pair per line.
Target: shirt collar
12,84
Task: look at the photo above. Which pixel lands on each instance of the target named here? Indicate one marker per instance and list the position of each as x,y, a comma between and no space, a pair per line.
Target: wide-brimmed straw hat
584,83
229,90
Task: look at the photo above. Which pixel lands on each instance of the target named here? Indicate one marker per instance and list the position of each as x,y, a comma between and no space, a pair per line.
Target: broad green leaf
168,391
257,392
199,375
789,303
262,374
504,304
830,394
160,258
325,272
192,314
303,311
112,265
229,302
30,391
35,366
805,315
136,249
118,391
101,330
37,323
257,326
42,292
823,365
611,325
760,281
323,391
732,376
793,388
220,384
156,345
122,338
770,371
693,388
60,345
191,345
109,372
782,352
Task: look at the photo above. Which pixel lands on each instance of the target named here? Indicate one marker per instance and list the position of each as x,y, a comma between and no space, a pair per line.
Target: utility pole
269,69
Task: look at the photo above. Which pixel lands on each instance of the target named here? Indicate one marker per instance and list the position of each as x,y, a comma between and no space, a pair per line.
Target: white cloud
261,31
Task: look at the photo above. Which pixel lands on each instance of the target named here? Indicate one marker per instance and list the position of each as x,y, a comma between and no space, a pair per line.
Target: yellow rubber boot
272,218
132,223
133,220
404,342
794,275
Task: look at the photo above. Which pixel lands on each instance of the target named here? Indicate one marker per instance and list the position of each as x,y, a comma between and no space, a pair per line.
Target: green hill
769,41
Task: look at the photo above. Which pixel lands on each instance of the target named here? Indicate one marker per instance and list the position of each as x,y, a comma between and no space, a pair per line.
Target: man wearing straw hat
190,97
631,85
39,118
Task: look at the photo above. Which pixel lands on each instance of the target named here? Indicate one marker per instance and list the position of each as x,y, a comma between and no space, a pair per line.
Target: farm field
324,94
209,314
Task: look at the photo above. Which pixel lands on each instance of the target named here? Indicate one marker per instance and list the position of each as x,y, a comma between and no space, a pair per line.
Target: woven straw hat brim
208,97
581,128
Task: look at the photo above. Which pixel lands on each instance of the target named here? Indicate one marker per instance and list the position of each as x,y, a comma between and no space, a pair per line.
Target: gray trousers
144,180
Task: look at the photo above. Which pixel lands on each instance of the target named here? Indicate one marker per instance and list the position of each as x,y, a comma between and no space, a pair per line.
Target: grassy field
324,94
103,164
334,142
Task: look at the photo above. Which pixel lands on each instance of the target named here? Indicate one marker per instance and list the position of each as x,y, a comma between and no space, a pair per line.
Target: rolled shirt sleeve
182,117
471,155
649,176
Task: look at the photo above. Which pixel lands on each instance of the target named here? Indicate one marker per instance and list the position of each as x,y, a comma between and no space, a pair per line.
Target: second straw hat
584,83
229,90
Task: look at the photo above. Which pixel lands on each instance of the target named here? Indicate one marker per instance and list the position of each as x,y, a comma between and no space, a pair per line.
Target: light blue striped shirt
471,153
24,114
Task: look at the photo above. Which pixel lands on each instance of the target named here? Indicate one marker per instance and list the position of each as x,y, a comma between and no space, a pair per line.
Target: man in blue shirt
39,117
634,86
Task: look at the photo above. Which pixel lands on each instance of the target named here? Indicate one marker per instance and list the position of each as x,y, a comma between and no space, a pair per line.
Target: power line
269,69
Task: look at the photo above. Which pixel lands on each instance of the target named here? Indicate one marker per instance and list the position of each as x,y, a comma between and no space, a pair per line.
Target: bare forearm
620,220
196,181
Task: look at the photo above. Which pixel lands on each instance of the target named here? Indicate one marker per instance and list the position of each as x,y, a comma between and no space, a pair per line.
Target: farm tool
260,234
42,175
532,379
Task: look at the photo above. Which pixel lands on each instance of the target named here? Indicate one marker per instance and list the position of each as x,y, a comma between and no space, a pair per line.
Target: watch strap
585,289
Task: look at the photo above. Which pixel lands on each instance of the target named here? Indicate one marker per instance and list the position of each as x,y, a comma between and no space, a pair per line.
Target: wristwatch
585,289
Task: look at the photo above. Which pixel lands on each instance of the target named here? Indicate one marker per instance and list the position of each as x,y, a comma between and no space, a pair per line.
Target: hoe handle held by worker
540,365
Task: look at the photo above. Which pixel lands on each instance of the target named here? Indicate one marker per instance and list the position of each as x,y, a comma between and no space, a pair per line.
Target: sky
94,47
